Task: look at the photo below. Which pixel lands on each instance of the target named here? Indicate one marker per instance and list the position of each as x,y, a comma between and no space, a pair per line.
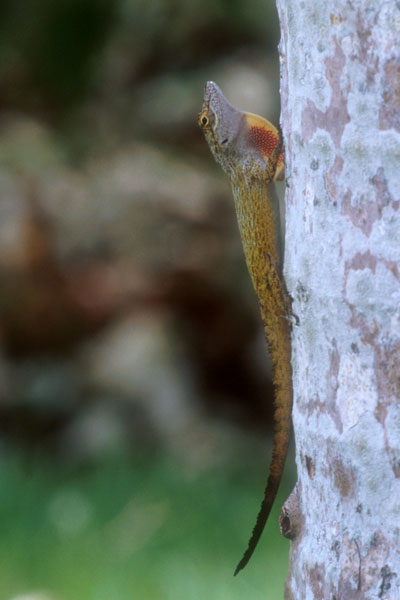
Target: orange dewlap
263,140
264,137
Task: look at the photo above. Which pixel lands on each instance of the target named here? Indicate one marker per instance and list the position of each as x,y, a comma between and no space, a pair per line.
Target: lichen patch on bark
336,117
366,46
309,406
383,196
386,367
331,177
364,212
332,386
343,478
316,575
310,466
389,114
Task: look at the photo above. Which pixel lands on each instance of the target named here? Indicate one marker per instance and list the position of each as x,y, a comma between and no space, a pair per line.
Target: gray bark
340,90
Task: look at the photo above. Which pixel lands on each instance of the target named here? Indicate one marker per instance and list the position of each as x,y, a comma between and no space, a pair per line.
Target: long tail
277,327
281,444
258,219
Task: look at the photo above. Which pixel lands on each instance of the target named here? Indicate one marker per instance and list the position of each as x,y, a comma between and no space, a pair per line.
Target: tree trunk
341,123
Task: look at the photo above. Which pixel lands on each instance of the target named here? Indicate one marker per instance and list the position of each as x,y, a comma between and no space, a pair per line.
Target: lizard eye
204,120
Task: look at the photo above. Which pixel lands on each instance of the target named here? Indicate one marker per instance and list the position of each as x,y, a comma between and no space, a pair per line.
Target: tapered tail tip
240,566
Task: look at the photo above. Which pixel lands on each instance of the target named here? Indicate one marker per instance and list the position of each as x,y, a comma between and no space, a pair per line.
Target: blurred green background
135,391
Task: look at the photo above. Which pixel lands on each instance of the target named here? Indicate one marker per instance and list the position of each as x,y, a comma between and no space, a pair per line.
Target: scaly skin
249,150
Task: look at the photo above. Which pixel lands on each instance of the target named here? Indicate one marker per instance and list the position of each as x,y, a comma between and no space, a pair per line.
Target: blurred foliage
127,320
52,53
148,529
48,48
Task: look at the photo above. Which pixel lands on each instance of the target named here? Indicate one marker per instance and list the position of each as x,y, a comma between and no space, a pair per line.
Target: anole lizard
249,149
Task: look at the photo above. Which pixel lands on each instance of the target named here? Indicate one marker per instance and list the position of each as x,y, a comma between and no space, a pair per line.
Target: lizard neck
257,212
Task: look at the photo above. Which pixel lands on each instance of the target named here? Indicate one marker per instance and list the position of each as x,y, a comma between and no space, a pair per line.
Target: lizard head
239,138
220,122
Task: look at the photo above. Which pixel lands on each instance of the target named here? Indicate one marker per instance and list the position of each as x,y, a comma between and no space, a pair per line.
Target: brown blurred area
126,313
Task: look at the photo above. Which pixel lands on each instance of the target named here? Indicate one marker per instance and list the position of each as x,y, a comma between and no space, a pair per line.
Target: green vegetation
123,530
120,279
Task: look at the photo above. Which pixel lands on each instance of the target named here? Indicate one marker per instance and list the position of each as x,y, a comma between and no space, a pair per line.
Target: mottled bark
341,122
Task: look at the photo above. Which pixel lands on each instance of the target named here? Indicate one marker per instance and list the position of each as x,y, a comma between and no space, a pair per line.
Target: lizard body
249,149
